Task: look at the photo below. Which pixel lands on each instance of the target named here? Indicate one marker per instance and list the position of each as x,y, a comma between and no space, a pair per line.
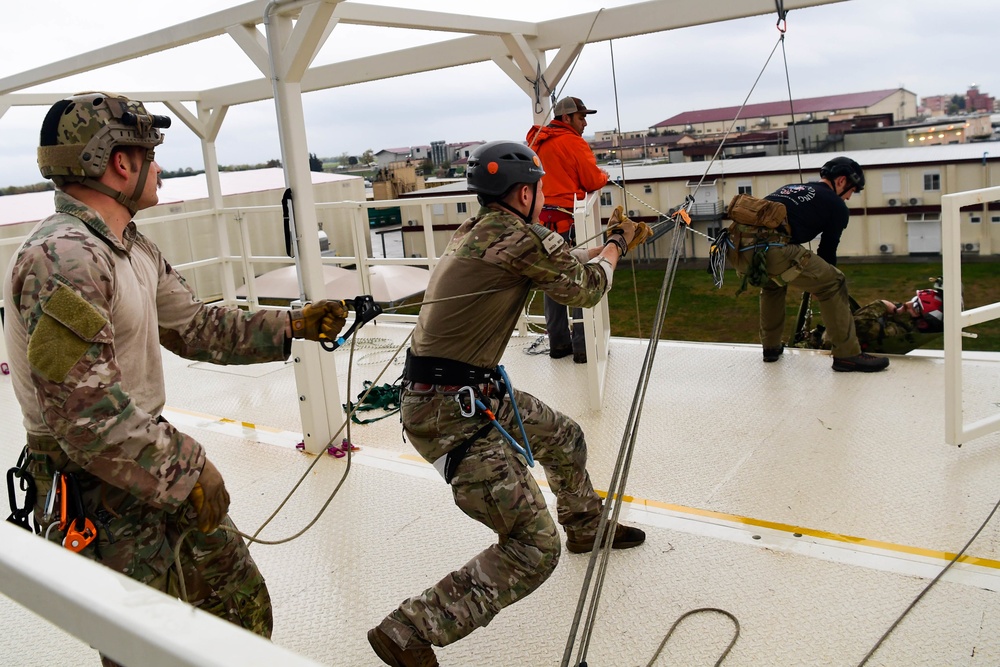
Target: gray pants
557,323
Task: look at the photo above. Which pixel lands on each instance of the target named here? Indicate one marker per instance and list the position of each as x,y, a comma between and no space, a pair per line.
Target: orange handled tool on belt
80,531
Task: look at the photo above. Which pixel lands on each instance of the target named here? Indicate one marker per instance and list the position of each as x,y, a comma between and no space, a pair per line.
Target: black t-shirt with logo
814,209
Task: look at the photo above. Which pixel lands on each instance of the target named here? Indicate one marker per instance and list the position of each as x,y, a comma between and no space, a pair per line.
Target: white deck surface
812,505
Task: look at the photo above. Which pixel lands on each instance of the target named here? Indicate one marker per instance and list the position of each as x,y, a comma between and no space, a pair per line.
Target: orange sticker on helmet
493,167
538,163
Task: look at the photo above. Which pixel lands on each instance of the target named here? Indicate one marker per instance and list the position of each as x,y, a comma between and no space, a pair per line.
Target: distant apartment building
973,101
768,116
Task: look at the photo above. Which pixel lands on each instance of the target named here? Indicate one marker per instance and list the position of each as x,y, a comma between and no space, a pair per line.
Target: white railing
596,320
956,319
132,623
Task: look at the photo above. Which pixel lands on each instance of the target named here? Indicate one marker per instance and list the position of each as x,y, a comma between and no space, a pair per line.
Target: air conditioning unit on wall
893,202
886,249
915,201
971,247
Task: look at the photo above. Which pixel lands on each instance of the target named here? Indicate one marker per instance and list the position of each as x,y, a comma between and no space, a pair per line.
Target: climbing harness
473,393
469,382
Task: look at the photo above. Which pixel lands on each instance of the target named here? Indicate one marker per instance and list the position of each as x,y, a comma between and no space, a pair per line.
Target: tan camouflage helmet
79,134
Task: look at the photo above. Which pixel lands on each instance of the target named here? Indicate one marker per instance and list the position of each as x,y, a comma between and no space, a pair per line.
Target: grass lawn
697,311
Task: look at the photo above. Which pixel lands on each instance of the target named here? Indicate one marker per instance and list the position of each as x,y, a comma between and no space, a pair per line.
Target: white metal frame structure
294,33
956,319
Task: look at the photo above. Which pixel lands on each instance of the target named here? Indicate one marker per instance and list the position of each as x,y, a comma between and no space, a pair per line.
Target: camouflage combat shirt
86,315
496,250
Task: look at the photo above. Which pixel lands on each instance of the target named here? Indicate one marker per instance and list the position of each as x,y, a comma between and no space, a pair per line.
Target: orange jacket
569,164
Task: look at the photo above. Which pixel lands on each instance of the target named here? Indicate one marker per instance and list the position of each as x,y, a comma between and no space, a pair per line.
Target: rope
618,119
929,586
736,634
384,397
592,585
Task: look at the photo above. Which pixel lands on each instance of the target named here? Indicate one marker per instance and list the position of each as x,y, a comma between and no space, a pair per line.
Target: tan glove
634,233
210,498
322,319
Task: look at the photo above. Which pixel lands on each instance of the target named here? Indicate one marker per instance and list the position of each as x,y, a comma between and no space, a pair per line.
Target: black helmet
497,166
844,166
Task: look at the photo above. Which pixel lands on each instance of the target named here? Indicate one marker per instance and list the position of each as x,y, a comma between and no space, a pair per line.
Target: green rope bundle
385,397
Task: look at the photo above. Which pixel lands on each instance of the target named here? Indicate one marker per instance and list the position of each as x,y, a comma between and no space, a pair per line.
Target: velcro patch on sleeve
72,311
550,240
68,327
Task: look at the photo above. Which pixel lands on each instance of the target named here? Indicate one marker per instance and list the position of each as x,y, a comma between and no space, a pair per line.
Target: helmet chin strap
131,203
531,209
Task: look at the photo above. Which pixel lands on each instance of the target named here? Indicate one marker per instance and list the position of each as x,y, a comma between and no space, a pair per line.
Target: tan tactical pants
792,264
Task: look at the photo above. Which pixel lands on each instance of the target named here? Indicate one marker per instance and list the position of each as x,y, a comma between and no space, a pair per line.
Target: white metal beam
307,38
629,20
188,32
418,19
126,620
625,21
253,44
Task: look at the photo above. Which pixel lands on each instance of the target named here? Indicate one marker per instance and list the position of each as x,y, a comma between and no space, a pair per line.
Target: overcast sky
929,47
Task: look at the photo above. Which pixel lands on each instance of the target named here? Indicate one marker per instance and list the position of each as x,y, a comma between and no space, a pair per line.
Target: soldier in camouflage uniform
494,259
89,301
892,327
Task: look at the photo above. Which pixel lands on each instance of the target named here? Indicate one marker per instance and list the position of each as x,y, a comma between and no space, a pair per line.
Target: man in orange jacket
571,172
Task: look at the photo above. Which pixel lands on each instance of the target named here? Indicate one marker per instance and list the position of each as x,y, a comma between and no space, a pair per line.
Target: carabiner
471,411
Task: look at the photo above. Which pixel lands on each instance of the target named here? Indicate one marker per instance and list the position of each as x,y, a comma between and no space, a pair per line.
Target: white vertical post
952,269
211,160
315,371
596,320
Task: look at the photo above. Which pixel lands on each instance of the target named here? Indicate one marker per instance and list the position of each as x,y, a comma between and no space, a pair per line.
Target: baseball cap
568,105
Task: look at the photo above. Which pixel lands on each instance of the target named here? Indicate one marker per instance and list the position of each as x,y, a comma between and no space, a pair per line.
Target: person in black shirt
813,209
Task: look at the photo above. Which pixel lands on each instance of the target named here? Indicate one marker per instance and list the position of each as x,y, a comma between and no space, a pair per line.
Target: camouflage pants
138,540
810,273
493,486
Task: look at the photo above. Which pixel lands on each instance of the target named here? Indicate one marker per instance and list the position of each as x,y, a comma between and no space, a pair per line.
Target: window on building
462,207
744,189
890,182
995,219
923,217
605,199
648,189
714,232
975,220
932,181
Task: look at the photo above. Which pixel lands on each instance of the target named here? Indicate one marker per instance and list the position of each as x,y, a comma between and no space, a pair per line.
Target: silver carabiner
471,412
